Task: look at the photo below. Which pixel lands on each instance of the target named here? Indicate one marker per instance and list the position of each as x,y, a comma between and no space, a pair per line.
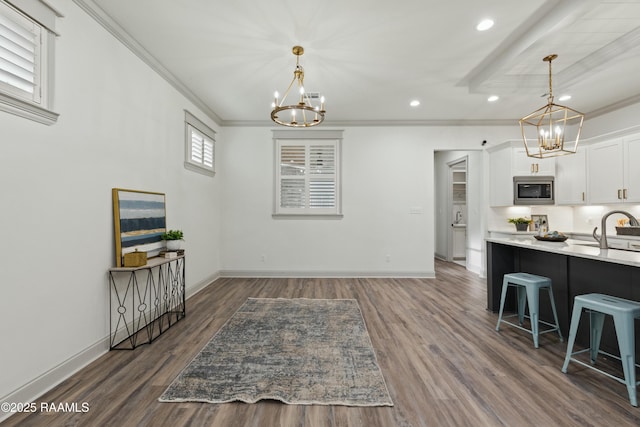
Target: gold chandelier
303,113
552,130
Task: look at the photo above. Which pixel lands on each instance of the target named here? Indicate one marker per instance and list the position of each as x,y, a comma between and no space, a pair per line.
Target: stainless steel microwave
533,190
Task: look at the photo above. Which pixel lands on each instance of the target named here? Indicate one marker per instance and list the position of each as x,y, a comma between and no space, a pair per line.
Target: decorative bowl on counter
628,231
551,238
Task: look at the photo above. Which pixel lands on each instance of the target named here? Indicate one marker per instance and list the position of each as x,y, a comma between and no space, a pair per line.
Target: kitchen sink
585,243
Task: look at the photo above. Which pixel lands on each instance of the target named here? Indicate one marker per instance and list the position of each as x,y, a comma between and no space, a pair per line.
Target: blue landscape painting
140,220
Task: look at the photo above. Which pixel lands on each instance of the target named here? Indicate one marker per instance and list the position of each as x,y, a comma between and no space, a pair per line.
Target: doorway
458,211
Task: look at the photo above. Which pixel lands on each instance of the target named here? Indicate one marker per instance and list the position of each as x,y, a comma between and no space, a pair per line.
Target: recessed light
414,103
493,98
484,25
564,98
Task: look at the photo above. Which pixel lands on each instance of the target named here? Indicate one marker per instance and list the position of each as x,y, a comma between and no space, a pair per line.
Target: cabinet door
571,178
632,169
459,242
605,172
524,165
500,178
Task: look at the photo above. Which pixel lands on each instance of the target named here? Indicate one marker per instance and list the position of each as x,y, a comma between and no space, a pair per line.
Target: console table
145,301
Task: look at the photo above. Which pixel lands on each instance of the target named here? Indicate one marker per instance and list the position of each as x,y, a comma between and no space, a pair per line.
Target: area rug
297,351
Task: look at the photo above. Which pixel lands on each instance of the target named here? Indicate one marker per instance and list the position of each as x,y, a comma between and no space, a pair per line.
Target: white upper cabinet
599,173
613,176
509,160
524,165
632,169
605,172
500,177
571,178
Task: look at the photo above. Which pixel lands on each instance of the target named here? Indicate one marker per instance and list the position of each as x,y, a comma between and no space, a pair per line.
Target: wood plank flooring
443,361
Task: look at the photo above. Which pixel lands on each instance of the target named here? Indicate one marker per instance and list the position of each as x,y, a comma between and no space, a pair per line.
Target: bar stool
623,312
528,287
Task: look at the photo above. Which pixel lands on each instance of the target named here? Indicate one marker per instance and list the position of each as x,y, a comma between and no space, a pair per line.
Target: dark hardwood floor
436,344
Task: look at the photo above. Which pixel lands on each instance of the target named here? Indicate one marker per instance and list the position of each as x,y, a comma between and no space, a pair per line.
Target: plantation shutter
200,146
201,149
322,182
307,177
292,172
19,55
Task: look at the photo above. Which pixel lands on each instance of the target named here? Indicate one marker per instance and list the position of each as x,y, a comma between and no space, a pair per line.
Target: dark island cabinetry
572,274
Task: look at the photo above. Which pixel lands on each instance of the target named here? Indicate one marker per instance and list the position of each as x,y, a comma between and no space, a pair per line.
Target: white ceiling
370,59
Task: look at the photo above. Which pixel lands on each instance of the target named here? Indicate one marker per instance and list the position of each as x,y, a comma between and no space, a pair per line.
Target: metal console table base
145,301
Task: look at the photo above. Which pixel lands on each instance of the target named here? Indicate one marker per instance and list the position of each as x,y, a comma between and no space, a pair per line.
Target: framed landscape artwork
139,221
539,220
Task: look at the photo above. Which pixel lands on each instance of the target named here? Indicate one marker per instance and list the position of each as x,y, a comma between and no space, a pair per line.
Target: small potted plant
173,239
522,224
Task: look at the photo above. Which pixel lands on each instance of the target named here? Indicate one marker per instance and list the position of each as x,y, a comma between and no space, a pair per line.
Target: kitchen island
575,267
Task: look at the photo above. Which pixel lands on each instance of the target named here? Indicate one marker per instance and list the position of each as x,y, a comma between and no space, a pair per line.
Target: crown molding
474,81
101,17
613,107
381,123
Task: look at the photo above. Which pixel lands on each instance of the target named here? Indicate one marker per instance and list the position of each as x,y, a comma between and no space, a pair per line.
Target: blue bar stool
623,312
528,287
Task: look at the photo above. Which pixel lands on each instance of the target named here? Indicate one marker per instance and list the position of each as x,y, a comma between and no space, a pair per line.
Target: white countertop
570,247
577,234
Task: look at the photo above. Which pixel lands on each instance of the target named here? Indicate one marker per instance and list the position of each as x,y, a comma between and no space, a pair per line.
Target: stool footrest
623,313
528,288
553,329
590,366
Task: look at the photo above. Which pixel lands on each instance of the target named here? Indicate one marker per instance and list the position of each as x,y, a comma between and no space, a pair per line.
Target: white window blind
322,171
307,177
21,42
27,40
199,146
201,149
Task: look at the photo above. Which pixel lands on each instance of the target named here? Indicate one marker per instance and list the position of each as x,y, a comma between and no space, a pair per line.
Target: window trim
42,15
192,122
309,136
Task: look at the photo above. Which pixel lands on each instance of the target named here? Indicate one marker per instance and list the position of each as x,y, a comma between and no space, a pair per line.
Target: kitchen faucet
603,225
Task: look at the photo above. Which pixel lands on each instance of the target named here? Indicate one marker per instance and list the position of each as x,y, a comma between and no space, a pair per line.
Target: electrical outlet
387,258
263,258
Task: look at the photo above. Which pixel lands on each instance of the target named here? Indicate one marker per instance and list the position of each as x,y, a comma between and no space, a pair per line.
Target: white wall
120,125
387,172
586,218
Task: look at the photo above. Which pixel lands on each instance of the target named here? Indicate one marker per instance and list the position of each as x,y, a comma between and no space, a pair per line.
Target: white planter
173,245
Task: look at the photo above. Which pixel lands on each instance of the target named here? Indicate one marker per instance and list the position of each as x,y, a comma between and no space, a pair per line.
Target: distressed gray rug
297,351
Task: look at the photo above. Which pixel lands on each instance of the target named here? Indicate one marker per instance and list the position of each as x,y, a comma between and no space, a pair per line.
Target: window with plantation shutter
19,56
307,173
199,146
26,55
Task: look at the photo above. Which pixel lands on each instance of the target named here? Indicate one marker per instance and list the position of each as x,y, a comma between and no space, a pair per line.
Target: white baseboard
54,376
35,388
194,289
